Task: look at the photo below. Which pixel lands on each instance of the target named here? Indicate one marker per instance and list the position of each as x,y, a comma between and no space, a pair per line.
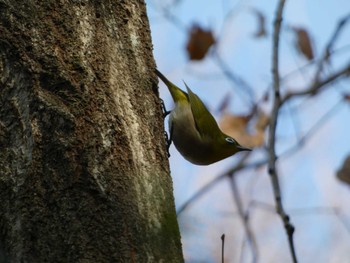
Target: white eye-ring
230,140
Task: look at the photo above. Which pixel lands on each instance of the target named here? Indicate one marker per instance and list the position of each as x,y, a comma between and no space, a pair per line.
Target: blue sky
310,188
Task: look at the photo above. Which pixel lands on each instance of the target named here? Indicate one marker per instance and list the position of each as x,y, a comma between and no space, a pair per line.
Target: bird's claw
165,112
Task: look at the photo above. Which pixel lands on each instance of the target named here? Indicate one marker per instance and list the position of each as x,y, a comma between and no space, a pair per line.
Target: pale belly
186,138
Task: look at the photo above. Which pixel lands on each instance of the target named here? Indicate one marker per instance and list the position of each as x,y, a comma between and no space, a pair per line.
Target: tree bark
84,175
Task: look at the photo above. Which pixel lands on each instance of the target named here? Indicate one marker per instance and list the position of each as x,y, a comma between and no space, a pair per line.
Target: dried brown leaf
236,126
262,121
346,97
303,43
261,29
344,173
199,42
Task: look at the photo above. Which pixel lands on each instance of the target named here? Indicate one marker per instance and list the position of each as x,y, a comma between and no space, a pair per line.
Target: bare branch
316,127
317,85
245,220
272,132
165,11
327,51
222,248
243,87
336,211
240,165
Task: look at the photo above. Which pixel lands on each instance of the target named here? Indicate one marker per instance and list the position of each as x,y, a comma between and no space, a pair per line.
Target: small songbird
194,131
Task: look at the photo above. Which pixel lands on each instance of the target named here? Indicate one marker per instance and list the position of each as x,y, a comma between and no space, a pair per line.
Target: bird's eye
230,140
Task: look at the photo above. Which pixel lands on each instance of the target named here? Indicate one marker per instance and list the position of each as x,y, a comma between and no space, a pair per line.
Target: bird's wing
205,122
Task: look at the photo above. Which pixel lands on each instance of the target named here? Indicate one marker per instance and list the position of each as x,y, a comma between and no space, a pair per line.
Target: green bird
194,131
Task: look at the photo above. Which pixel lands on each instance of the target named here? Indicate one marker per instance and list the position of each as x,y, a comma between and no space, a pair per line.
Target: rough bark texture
83,171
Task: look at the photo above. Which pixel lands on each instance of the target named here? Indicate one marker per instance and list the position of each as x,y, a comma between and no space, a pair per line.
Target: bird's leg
165,112
168,140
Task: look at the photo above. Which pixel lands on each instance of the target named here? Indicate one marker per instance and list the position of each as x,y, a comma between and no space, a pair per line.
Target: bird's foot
165,112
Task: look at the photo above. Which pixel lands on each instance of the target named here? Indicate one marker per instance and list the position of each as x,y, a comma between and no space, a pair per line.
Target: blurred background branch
295,123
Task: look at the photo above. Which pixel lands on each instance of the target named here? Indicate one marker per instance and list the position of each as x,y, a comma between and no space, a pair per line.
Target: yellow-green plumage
194,131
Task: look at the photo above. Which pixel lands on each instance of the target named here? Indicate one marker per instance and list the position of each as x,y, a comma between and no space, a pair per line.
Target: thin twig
342,219
245,220
306,211
327,51
316,86
240,165
199,193
292,73
243,86
272,131
262,205
316,127
315,61
228,16
165,10
223,248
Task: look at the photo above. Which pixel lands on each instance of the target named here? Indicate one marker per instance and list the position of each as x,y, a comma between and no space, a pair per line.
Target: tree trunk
84,175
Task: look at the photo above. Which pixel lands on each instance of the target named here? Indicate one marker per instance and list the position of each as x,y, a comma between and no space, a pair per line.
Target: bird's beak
241,148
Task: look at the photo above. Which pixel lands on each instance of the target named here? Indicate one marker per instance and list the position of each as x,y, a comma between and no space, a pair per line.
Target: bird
193,129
